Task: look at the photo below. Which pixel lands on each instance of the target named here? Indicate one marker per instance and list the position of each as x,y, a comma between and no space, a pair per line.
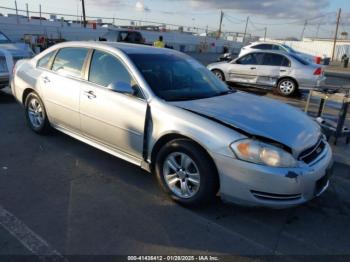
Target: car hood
258,116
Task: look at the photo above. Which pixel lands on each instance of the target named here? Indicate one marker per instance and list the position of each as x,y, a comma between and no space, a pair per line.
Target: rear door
113,119
61,87
273,67
244,70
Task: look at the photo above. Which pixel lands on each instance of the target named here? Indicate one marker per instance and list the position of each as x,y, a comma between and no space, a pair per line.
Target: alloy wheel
35,113
287,87
181,174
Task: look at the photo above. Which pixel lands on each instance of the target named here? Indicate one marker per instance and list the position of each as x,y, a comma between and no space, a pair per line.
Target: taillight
318,71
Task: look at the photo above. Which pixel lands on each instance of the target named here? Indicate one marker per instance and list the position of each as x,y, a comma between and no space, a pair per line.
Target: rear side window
275,60
44,62
278,48
70,61
263,47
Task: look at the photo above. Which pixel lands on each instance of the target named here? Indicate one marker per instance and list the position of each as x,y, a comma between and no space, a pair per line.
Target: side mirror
121,87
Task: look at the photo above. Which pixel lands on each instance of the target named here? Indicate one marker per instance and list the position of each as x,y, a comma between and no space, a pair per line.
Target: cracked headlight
3,65
261,153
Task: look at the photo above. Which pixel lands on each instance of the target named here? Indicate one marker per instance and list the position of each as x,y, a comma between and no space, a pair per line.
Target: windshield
176,77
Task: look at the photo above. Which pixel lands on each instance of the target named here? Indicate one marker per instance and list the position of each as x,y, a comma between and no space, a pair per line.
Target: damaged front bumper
257,185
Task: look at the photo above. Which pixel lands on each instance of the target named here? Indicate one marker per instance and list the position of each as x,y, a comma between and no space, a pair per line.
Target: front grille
310,154
275,197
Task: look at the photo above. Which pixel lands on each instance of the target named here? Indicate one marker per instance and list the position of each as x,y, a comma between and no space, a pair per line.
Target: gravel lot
60,195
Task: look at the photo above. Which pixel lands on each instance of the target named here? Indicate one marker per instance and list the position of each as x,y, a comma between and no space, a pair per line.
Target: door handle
252,68
46,79
282,70
90,94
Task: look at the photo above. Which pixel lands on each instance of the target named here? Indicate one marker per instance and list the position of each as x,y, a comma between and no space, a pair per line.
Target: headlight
261,153
3,64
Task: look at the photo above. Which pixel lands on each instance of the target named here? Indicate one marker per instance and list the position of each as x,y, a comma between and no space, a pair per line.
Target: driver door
112,119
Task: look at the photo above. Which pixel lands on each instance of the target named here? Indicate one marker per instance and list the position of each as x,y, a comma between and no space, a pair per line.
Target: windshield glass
176,77
4,39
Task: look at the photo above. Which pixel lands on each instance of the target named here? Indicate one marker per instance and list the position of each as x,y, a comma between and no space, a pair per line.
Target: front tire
186,173
286,87
36,114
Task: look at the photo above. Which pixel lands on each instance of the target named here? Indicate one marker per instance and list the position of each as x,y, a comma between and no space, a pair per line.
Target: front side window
275,60
250,59
106,69
70,61
44,62
177,77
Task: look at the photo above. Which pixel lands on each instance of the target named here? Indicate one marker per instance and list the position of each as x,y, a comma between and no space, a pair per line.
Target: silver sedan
163,111
271,69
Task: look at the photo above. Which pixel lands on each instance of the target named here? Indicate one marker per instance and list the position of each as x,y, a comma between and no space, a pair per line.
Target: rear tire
186,173
287,87
219,74
36,114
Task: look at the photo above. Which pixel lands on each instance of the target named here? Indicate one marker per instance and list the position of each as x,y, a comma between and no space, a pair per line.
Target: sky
282,18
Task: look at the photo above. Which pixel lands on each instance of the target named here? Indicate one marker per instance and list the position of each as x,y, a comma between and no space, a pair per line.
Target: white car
266,46
271,69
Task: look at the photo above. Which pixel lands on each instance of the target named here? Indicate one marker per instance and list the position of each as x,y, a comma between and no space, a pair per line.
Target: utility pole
84,17
302,33
265,34
16,12
40,12
336,33
245,30
318,30
221,17
27,11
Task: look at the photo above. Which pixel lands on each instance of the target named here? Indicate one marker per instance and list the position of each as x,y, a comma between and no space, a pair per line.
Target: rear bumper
257,185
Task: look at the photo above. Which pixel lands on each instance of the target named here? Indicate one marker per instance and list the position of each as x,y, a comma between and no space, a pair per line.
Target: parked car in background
164,111
267,46
10,53
271,69
126,36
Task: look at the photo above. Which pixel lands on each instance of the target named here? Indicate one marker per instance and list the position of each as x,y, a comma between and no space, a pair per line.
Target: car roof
270,52
127,48
264,43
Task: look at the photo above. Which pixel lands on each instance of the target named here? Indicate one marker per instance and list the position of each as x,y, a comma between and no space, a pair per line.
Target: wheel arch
287,77
172,136
26,92
220,70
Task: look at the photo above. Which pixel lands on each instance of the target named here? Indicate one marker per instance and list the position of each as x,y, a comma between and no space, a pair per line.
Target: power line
296,21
